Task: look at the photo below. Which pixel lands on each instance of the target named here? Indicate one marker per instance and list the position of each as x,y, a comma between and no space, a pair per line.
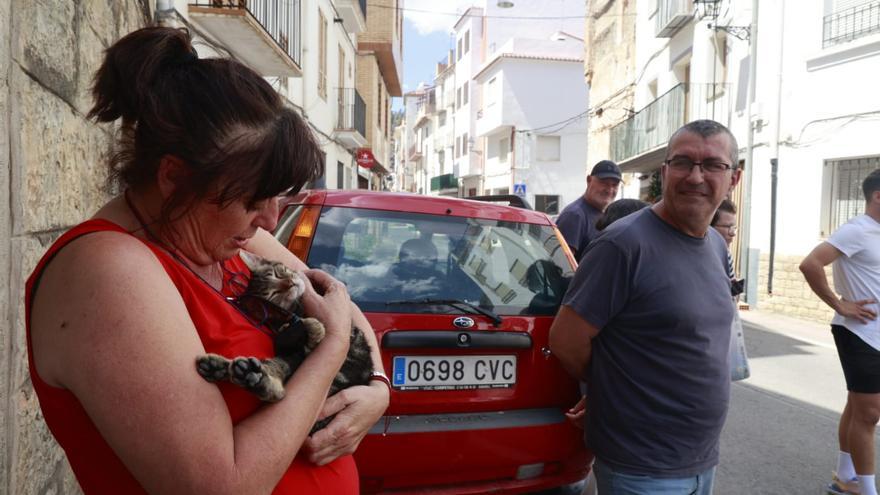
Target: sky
426,39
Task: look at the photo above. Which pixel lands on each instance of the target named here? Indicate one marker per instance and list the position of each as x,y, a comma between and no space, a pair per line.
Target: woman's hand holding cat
357,409
327,300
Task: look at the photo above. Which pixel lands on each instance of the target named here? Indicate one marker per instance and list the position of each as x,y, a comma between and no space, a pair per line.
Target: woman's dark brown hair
222,119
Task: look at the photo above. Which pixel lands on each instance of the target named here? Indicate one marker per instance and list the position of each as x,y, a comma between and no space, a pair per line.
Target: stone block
61,172
90,53
44,43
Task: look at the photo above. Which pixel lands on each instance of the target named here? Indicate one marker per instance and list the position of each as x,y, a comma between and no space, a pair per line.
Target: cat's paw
315,331
248,373
213,367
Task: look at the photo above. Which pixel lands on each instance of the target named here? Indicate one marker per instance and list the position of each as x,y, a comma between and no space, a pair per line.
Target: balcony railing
352,111
672,15
650,127
279,19
850,24
445,181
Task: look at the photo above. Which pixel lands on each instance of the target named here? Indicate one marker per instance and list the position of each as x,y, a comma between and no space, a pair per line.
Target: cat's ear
251,260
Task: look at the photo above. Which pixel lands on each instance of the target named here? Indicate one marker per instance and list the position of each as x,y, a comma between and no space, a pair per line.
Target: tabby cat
283,287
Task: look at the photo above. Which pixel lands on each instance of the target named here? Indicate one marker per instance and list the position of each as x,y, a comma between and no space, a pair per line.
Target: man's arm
813,268
571,341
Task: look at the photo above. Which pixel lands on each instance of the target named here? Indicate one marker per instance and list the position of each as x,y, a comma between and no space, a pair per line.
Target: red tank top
222,330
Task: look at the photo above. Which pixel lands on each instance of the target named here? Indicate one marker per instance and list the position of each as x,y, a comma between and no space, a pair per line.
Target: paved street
781,432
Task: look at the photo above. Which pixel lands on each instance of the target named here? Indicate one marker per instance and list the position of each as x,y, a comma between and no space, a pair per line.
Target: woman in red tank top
120,306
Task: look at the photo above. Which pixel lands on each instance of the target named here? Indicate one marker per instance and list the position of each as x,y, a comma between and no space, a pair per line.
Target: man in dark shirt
646,322
577,222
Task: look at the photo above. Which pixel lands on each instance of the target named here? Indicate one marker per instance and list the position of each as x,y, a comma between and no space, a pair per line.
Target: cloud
426,17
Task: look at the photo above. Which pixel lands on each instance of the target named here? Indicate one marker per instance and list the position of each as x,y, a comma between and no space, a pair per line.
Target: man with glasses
646,322
577,222
854,249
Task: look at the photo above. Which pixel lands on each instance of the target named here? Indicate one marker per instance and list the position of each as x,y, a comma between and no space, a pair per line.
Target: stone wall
792,295
53,177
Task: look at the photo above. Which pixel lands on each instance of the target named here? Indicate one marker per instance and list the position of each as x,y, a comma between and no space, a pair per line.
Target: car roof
417,203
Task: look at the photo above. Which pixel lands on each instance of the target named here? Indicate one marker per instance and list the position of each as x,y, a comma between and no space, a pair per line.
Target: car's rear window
383,257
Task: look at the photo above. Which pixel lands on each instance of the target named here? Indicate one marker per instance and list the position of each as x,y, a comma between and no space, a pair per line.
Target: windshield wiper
455,303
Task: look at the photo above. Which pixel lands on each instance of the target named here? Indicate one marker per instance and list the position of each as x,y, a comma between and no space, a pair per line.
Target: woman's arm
110,326
361,406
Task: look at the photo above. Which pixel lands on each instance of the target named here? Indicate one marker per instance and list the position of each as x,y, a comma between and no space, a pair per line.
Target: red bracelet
381,377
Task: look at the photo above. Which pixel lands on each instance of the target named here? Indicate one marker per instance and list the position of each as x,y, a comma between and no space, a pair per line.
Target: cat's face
273,281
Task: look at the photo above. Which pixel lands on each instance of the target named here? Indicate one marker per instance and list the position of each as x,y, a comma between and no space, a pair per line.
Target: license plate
453,372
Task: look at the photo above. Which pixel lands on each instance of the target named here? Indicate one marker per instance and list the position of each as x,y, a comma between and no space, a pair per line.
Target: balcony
649,129
351,118
444,182
850,24
353,14
414,153
672,15
264,34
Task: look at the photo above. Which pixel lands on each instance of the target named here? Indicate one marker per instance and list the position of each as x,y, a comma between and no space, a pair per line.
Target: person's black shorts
860,362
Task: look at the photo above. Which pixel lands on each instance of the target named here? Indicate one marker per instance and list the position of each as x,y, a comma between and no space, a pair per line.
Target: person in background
577,222
646,323
121,305
854,250
724,222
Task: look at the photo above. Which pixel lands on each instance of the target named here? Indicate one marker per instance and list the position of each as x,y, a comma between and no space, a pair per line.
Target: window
457,146
848,20
458,51
322,55
441,118
547,203
467,40
490,92
548,148
472,192
464,93
458,98
464,144
503,149
843,197
441,159
340,175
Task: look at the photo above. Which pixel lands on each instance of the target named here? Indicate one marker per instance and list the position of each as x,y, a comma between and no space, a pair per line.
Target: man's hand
357,409
576,413
856,309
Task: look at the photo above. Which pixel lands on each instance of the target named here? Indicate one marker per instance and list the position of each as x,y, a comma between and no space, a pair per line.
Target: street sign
519,189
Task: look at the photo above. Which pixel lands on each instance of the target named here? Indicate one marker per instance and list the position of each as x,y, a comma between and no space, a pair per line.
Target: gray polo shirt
659,382
577,223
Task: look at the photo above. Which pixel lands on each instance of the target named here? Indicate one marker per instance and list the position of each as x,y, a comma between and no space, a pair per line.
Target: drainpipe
774,170
748,172
774,150
512,158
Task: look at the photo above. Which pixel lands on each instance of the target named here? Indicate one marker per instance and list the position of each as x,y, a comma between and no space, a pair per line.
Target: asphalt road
781,431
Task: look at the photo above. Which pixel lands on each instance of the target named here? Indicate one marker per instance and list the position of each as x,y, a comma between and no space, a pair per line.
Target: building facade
786,78
506,112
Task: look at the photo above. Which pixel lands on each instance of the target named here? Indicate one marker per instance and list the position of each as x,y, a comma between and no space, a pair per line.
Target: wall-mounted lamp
504,4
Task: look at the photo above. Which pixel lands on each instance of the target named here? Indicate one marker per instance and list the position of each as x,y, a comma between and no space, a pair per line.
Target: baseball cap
606,169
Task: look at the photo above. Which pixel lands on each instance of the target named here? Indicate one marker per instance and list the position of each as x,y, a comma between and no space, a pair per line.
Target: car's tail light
565,248
301,238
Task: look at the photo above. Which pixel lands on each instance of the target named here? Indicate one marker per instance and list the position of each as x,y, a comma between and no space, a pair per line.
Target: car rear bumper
468,453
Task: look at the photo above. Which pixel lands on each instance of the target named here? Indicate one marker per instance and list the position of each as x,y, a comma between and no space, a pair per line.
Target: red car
461,295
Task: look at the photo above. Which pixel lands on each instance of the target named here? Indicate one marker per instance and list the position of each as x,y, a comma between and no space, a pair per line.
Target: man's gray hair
708,128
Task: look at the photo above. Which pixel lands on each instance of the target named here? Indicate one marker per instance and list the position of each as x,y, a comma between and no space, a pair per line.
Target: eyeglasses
264,313
685,165
730,228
